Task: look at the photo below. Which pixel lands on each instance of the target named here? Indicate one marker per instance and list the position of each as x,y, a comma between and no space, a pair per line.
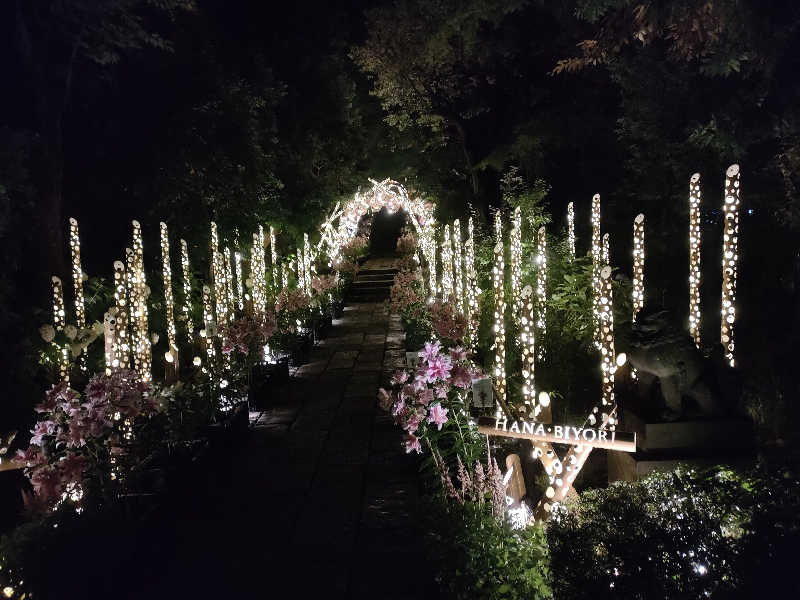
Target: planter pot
338,310
322,327
264,383
301,349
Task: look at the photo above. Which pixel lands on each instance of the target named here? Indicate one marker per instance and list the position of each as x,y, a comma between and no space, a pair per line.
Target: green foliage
480,556
685,534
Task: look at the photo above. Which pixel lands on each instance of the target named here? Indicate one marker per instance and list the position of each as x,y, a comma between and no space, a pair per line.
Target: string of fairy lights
59,323
571,231
499,368
171,355
730,257
446,253
471,282
515,246
77,283
187,291
597,256
541,286
694,258
637,281
458,271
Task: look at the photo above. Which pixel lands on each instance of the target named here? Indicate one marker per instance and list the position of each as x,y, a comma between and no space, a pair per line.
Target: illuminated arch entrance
342,224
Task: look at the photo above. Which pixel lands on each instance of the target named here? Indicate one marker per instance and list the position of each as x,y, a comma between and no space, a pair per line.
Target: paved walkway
322,501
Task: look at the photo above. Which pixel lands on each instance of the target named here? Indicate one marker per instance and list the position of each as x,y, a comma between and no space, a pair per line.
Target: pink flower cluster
419,399
292,301
248,334
406,293
324,284
449,325
406,243
64,443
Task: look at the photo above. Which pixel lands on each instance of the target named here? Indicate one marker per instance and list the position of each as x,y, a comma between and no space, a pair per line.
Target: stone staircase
372,284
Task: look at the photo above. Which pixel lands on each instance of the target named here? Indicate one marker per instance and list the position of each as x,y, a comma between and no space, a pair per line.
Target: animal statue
660,350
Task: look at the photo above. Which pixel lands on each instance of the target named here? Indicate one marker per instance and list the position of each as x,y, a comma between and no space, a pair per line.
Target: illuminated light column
606,260
597,257
169,303
142,352
277,282
571,231
446,288
637,292
230,289
515,241
471,282
694,258
730,256
499,371
300,278
237,259
257,275
429,250
208,323
77,283
220,289
218,277
59,322
458,271
307,264
608,357
120,357
284,274
541,286
187,291
498,226
528,341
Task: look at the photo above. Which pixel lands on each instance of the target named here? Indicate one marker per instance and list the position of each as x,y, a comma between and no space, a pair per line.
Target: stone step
374,277
376,284
378,272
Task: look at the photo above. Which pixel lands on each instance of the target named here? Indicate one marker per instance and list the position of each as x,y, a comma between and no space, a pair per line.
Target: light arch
342,224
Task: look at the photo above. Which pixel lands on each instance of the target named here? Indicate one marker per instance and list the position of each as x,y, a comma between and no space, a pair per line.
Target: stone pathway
323,501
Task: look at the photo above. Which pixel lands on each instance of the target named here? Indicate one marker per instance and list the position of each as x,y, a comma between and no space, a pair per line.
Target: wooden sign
558,434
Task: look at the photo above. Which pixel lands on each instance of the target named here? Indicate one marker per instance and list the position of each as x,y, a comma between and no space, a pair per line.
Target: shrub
479,556
685,534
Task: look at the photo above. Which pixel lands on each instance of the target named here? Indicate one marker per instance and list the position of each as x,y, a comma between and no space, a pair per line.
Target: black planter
301,349
338,310
265,381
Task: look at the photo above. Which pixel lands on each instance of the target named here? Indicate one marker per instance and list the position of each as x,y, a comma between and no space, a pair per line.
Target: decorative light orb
622,358
196,361
168,357
544,399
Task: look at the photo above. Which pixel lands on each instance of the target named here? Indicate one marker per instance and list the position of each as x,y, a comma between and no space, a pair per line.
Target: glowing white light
277,282
446,287
637,293
499,371
169,304
237,259
571,231
515,243
59,322
730,255
137,296
694,257
77,283
471,283
187,291
528,343
208,322
230,290
597,264
120,352
458,271
541,287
